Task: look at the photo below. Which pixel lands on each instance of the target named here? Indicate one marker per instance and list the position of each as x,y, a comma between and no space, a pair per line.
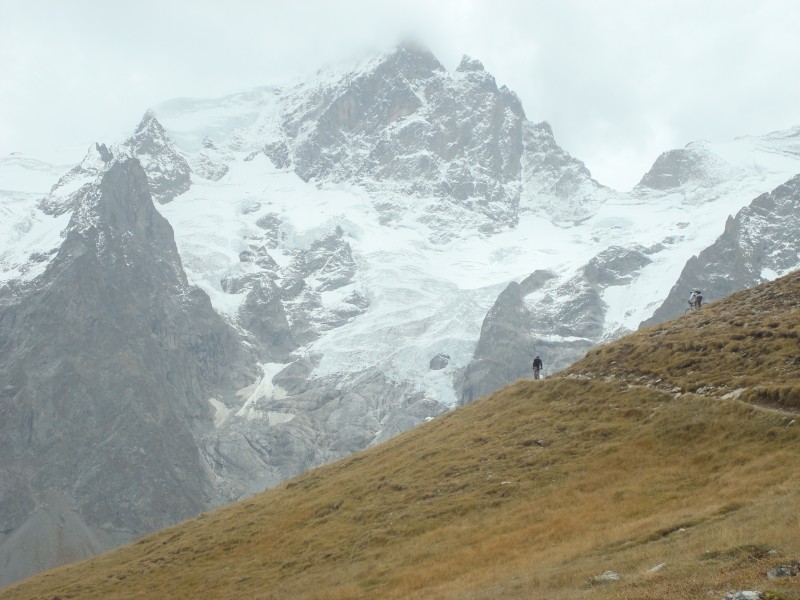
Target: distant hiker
537,367
696,299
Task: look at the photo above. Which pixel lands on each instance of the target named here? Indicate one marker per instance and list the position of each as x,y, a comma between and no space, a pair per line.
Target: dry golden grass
630,459
748,342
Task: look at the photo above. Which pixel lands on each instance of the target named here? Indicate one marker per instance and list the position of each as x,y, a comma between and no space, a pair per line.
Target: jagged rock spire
169,173
469,64
113,357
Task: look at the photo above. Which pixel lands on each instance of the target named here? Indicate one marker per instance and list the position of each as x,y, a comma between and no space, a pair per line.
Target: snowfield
428,298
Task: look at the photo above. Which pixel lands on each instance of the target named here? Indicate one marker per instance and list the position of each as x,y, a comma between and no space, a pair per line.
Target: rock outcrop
109,361
750,251
168,173
403,125
692,165
556,318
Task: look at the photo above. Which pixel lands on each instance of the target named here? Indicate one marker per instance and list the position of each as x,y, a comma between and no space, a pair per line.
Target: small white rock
605,577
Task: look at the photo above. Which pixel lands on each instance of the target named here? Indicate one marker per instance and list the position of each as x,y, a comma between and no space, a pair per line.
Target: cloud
620,81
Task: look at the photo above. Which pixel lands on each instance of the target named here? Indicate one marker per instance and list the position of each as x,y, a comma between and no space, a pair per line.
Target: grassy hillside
669,457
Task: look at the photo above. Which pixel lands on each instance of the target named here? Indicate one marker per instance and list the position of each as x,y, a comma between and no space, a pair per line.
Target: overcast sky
619,81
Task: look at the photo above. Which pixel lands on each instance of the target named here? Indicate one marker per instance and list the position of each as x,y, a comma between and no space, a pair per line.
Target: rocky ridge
109,361
750,251
403,127
561,316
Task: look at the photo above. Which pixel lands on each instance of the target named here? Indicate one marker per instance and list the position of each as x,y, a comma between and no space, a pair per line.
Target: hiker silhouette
696,298
537,367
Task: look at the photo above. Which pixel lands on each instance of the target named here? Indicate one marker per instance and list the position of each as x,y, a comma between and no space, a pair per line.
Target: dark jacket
537,363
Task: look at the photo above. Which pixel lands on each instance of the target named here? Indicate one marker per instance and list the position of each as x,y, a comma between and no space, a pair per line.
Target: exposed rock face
544,315
306,421
511,335
288,314
329,260
750,251
211,163
405,125
615,266
439,362
553,182
71,189
168,172
691,165
264,315
503,349
109,361
294,379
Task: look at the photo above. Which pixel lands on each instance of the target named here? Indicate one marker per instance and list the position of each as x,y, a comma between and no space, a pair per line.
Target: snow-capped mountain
108,364
377,245
638,244
758,245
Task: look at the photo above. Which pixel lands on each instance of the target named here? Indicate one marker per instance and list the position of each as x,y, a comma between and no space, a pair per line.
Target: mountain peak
469,64
169,173
114,321
150,136
120,214
412,59
149,122
694,164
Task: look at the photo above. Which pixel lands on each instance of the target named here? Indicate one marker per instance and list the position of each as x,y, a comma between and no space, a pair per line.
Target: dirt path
732,397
